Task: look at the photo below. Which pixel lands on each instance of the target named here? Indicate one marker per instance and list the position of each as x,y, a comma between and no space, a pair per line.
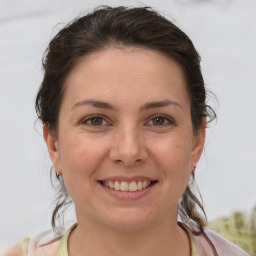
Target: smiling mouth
125,186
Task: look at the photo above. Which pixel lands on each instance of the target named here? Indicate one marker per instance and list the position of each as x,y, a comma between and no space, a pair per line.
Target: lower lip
128,195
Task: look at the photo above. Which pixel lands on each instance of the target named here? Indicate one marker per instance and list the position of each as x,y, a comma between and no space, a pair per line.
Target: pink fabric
223,246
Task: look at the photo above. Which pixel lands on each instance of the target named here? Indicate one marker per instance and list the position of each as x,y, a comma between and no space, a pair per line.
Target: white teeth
133,186
111,184
144,184
139,185
125,186
116,185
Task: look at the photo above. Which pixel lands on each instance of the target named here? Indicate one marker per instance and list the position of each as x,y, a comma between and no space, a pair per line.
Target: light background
223,31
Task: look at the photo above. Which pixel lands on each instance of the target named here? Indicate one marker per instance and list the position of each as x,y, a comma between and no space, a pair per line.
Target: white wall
225,35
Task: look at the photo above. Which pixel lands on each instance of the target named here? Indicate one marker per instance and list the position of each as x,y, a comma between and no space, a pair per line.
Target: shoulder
212,244
15,250
43,244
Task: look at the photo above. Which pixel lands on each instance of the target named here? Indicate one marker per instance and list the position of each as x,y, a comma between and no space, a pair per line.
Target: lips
127,186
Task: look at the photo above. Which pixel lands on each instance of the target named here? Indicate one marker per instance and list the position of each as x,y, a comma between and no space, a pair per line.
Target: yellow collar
63,246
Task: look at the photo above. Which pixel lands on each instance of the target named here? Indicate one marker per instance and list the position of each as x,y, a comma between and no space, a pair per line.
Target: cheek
173,158
173,153
80,157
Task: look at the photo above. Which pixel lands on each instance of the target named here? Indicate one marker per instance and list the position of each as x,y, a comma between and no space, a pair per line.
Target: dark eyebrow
94,103
105,105
160,104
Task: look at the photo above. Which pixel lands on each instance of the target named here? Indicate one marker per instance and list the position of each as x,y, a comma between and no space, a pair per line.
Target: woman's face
125,143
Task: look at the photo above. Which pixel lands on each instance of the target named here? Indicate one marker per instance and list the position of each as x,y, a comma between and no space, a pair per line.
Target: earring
194,166
57,175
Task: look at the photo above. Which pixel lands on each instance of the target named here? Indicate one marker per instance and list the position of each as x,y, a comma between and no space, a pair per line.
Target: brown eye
158,120
96,121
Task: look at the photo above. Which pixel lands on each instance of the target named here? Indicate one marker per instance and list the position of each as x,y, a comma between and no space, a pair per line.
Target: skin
15,250
126,140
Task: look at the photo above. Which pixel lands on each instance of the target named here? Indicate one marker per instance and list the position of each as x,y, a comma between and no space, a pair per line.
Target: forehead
125,71
127,59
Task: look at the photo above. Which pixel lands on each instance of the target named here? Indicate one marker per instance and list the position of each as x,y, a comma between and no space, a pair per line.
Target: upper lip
127,179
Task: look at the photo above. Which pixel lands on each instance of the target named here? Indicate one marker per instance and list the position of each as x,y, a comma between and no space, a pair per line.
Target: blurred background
224,33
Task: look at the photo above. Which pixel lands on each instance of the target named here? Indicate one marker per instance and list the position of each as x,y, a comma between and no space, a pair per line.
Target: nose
128,147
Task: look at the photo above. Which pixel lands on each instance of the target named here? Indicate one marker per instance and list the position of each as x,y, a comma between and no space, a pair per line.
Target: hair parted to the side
121,27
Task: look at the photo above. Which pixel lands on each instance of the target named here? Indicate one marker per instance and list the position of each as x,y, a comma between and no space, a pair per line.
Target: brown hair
121,27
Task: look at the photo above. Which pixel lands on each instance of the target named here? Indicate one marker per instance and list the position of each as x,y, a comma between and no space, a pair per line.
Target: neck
162,239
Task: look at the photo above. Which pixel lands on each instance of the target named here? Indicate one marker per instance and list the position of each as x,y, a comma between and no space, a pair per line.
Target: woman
123,109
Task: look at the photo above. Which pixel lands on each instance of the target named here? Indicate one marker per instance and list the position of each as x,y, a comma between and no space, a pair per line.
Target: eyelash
167,120
90,118
85,121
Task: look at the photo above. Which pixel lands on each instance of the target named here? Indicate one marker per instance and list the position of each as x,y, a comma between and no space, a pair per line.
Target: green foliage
239,229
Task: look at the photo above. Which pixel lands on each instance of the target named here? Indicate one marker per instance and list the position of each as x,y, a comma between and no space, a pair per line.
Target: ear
198,144
53,148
